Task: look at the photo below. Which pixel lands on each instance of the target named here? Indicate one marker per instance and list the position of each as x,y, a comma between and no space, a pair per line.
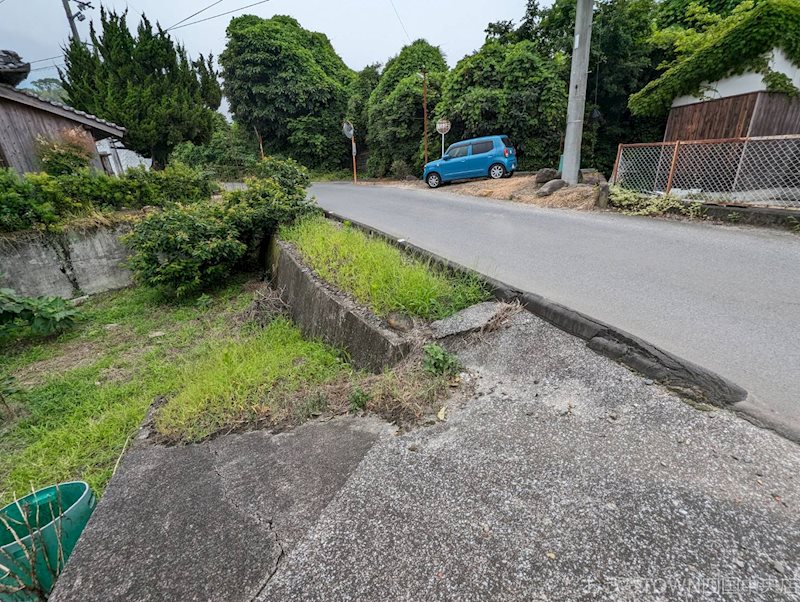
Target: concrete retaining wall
324,313
68,264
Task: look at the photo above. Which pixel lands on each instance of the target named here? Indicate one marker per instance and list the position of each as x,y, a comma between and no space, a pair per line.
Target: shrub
288,173
184,248
400,169
44,315
41,199
187,247
69,151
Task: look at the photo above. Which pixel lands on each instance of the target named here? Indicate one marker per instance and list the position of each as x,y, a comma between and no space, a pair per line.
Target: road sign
443,126
348,130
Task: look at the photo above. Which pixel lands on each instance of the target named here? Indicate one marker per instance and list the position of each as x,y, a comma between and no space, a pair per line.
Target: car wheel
497,171
433,180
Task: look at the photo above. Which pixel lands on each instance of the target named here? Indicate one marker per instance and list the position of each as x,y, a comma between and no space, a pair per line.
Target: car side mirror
446,157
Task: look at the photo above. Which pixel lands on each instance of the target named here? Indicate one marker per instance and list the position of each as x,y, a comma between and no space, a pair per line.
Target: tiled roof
9,91
11,61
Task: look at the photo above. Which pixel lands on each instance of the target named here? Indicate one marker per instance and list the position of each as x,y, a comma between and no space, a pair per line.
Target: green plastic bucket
40,529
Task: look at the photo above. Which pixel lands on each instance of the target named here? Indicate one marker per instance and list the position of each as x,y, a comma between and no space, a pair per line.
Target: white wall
745,83
127,158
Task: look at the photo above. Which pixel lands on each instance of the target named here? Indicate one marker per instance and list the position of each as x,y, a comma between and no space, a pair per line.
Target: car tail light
505,152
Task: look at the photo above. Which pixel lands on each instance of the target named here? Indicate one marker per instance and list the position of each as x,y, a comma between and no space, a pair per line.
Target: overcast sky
362,31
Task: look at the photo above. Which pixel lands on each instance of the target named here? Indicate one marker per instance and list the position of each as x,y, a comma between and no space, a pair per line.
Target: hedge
40,200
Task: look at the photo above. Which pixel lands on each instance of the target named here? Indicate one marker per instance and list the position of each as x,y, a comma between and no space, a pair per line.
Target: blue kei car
488,157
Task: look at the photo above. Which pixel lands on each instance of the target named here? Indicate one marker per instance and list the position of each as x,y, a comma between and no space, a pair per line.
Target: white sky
361,31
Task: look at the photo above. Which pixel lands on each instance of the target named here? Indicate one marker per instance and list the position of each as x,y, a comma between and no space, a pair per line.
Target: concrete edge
323,312
688,379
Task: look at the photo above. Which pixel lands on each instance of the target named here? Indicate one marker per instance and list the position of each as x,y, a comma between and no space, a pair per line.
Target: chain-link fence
763,171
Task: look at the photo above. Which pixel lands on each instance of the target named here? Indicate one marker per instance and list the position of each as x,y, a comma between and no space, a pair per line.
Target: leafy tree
363,84
144,82
231,152
290,84
622,60
395,111
509,89
49,88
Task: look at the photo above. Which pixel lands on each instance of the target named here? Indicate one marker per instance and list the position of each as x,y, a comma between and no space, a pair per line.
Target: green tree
145,83
49,88
395,131
290,84
622,60
231,153
509,89
363,84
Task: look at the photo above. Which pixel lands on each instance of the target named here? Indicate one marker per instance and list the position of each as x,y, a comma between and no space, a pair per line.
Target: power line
202,10
220,14
401,21
47,67
49,58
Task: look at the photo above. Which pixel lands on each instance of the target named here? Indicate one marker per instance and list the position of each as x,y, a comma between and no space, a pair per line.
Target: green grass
241,381
378,274
73,422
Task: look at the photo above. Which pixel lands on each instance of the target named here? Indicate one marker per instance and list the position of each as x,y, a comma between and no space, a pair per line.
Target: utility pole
425,110
577,91
71,19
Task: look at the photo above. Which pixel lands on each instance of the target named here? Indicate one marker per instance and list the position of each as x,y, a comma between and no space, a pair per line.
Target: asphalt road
724,297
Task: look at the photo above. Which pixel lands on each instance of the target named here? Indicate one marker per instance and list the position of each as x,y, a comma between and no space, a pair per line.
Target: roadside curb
686,378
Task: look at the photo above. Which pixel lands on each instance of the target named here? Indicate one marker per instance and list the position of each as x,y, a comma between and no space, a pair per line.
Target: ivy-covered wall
744,47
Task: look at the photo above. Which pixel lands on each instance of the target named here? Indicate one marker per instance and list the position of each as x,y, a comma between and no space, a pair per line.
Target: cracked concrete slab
211,522
568,477
470,319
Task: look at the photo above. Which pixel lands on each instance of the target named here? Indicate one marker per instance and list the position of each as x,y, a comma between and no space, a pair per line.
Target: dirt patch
520,189
77,354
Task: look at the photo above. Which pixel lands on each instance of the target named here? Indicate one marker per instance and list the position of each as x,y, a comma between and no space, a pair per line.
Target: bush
70,151
41,199
288,173
188,247
44,315
439,361
400,169
184,248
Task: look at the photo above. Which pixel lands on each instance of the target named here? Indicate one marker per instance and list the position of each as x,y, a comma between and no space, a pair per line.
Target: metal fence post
615,171
672,167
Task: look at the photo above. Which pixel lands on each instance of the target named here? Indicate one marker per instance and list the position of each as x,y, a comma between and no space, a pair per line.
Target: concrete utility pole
71,19
577,91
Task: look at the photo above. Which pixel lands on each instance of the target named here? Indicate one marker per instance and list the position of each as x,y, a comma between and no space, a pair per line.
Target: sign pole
355,176
443,126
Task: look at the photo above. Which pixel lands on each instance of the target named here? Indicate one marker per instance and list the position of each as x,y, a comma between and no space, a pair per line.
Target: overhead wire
403,25
219,15
202,10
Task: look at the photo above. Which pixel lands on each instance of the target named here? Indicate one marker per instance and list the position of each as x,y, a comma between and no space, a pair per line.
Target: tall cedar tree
145,83
289,84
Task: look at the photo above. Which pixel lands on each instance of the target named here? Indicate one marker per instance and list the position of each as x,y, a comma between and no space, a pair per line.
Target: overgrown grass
87,390
379,275
242,381
208,362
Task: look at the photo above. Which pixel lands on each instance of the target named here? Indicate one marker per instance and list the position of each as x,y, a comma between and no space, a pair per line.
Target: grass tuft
380,275
237,382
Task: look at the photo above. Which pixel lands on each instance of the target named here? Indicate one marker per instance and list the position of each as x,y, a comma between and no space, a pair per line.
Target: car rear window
507,142
482,147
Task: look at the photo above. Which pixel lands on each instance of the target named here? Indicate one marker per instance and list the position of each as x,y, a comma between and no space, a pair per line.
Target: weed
734,217
794,224
380,275
358,399
240,381
439,361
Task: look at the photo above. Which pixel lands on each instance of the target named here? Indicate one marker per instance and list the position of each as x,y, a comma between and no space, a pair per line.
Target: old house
24,116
